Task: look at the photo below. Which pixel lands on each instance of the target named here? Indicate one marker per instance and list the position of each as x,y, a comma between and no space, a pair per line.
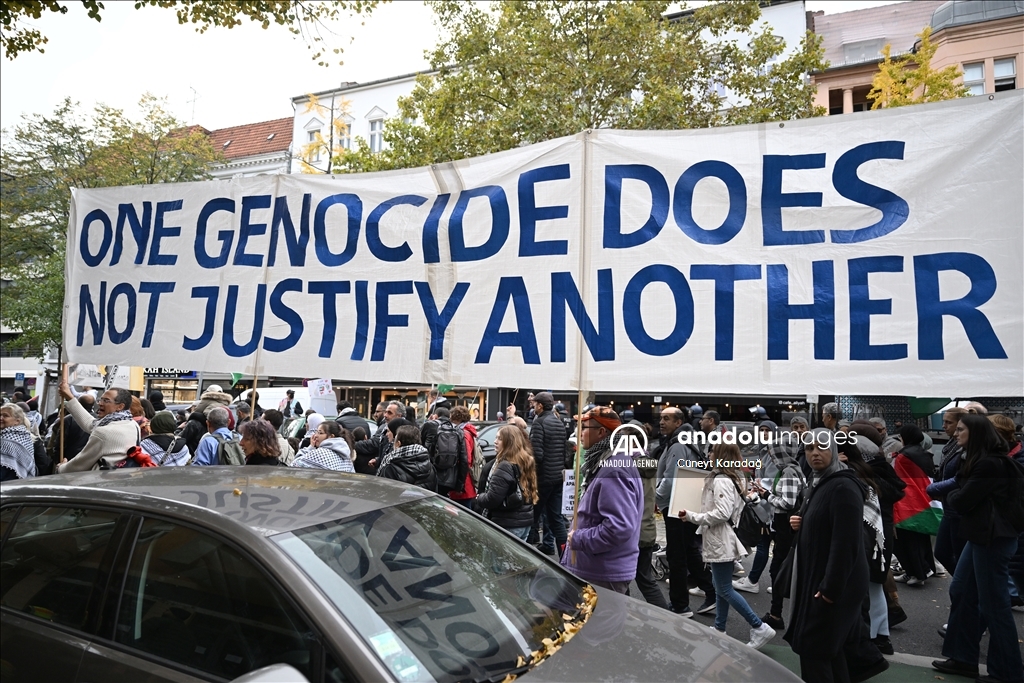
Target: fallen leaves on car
573,623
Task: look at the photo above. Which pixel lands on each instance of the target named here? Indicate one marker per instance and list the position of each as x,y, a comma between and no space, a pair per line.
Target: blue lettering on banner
329,290
613,177
895,210
232,348
362,320
725,278
510,289
248,229
296,242
438,322
822,311
154,289
139,228
159,233
431,251
354,208
95,314
773,199
286,314
90,259
226,237
530,214
377,247
499,224
931,308
682,203
128,292
632,318
564,293
862,307
384,318
211,294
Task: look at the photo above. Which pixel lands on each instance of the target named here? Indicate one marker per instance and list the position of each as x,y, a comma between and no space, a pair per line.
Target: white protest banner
876,252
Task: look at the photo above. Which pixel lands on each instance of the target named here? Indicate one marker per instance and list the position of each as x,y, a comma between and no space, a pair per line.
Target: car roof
266,500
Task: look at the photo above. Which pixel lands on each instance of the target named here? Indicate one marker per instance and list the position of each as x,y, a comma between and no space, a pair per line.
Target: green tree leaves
517,73
910,79
42,160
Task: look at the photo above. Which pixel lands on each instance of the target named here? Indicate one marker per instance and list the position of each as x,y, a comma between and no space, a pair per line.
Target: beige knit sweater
110,442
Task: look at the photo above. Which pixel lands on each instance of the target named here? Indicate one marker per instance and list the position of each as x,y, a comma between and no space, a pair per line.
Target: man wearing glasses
110,435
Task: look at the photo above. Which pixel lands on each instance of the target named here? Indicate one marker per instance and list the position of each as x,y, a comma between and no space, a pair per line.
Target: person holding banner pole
603,546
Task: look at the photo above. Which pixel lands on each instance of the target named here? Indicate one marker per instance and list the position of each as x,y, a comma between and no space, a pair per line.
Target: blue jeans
760,559
522,532
981,599
721,575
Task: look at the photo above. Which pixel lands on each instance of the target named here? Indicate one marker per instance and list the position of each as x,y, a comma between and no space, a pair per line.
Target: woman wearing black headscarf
913,546
829,569
987,499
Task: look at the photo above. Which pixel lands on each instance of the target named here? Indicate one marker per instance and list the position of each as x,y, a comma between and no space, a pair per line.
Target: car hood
629,640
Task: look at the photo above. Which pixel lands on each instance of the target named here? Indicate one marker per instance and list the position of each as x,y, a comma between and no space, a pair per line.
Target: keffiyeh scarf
873,518
324,459
18,451
112,417
592,461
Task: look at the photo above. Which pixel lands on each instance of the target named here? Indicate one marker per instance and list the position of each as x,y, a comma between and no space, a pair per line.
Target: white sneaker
745,585
761,636
911,581
697,591
737,568
769,590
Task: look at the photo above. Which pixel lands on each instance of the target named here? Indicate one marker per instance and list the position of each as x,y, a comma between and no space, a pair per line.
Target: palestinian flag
916,511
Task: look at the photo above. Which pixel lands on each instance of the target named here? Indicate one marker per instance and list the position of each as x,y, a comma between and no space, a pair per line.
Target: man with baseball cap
604,542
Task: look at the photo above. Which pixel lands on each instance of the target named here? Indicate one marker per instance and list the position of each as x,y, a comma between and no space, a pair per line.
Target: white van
271,397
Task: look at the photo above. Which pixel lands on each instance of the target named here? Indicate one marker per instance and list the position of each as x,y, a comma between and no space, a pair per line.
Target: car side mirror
275,673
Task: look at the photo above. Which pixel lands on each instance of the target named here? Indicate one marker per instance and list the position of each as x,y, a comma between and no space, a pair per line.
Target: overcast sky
220,78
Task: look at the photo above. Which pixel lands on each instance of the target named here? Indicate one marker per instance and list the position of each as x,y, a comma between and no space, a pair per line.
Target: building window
376,135
1005,73
315,146
974,78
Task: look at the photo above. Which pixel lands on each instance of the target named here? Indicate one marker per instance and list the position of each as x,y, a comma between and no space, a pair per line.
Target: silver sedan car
260,573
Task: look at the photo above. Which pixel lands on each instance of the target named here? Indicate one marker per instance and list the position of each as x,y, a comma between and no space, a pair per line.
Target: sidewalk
898,672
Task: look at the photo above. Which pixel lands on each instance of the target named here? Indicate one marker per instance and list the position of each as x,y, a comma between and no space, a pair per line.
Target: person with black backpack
989,496
446,445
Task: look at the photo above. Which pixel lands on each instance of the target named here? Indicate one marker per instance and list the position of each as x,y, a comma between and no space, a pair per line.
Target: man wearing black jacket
547,436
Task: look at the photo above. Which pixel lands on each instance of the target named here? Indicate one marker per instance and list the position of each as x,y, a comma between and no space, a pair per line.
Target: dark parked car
214,573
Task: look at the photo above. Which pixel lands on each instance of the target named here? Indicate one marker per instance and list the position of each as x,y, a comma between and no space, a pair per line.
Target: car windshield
438,593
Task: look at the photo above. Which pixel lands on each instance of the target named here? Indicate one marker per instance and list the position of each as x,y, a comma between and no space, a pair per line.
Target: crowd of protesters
838,515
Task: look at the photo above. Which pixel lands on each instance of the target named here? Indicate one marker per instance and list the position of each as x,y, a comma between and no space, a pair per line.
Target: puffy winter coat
720,506
350,420
212,399
547,436
500,485
410,464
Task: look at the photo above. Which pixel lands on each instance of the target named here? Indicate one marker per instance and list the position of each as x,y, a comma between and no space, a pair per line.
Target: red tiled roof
253,138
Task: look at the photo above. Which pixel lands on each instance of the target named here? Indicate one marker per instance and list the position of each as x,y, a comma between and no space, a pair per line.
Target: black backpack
448,456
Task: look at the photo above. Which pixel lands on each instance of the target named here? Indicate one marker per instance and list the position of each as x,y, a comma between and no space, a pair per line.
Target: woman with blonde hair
721,505
512,485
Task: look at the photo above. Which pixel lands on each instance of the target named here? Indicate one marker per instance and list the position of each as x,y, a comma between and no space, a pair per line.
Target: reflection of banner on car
806,256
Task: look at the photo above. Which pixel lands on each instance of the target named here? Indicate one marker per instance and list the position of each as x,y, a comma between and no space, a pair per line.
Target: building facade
985,38
253,149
